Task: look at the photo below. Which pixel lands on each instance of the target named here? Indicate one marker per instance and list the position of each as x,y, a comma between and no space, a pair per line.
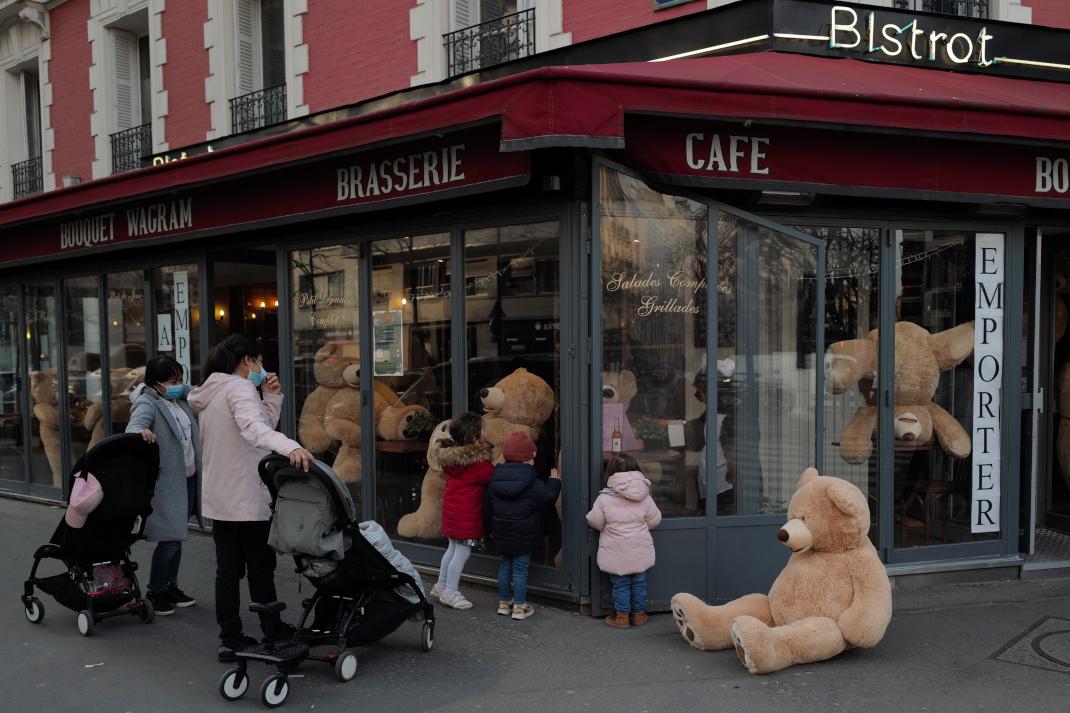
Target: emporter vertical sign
987,378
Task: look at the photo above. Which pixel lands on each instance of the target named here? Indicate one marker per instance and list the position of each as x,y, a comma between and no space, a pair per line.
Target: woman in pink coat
238,408
625,514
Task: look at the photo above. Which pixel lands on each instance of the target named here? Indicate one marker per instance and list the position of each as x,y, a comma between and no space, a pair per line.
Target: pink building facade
95,87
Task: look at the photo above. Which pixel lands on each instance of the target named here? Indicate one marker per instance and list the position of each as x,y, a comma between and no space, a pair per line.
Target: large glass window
42,358
766,364
81,328
512,323
127,344
655,380
326,357
245,287
411,322
936,445
12,466
852,267
176,298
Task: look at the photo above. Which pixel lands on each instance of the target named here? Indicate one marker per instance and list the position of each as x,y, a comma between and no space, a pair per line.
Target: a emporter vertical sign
987,378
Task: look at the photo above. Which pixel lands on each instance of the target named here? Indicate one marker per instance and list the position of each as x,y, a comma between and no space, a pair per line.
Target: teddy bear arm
345,432
952,436
94,413
310,430
864,622
856,442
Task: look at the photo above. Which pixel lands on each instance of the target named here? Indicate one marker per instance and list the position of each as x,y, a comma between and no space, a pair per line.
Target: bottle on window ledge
618,437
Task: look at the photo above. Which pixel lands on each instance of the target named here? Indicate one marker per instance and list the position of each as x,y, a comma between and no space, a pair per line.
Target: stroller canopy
311,509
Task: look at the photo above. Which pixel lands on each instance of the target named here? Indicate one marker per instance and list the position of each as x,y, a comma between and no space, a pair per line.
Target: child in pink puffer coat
625,514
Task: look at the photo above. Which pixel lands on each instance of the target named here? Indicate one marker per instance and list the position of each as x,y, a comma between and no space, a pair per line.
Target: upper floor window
260,65
962,8
131,142
488,32
26,175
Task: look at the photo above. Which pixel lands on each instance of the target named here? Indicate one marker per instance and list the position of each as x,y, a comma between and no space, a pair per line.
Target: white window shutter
465,14
124,51
246,24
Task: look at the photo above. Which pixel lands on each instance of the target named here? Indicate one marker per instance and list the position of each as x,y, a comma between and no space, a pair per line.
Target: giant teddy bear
520,402
342,424
832,595
44,390
919,359
426,522
329,364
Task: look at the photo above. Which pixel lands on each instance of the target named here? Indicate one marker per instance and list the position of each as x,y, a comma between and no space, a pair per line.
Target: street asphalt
968,647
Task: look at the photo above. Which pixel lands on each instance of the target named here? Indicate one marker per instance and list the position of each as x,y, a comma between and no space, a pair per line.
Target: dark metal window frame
258,109
490,43
131,148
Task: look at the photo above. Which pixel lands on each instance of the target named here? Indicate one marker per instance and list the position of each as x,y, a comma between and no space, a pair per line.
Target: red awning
586,105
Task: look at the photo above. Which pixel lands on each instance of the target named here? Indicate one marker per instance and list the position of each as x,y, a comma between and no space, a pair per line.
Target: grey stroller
364,588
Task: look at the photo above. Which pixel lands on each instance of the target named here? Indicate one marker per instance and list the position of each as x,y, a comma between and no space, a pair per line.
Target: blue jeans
629,592
168,554
513,570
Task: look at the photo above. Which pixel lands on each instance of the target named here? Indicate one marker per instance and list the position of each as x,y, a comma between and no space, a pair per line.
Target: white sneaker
505,608
454,600
522,611
436,591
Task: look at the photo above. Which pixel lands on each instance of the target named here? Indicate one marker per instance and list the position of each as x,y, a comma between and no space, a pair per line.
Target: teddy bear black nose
484,393
608,393
782,535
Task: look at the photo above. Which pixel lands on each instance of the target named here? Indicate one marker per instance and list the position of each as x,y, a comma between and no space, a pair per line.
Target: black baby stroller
364,588
100,580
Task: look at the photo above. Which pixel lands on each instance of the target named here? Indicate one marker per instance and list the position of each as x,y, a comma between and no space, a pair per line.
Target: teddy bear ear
807,475
845,497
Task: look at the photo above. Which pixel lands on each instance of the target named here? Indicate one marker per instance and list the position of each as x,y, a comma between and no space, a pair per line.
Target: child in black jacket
514,504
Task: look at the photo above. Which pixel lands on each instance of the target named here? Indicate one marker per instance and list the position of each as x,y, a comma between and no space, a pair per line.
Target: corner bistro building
706,225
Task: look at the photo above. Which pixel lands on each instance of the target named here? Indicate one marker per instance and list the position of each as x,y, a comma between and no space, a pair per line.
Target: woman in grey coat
162,416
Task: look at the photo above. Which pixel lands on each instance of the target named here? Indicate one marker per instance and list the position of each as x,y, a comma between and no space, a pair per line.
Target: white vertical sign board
987,379
182,320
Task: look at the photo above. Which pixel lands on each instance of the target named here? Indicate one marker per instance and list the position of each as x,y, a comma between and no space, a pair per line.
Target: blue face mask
257,377
174,392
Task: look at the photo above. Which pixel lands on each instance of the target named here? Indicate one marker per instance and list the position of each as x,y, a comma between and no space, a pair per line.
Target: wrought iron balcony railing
962,8
490,43
27,177
258,109
131,148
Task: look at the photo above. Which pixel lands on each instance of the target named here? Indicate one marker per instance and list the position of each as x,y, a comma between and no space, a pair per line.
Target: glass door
721,420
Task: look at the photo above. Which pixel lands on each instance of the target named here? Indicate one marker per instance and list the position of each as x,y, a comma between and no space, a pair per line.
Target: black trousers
241,548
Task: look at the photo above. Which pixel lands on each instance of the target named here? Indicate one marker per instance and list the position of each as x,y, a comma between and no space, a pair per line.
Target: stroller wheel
85,623
274,690
145,611
345,666
234,684
35,611
427,636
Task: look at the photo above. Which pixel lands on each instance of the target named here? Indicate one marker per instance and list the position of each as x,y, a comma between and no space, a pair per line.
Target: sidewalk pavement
946,650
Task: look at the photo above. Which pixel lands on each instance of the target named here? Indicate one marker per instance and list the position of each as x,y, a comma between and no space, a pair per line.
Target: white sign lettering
987,379
375,179
87,232
848,31
1053,175
158,218
735,154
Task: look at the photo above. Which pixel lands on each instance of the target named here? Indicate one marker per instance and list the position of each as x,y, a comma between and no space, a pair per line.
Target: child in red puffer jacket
465,459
